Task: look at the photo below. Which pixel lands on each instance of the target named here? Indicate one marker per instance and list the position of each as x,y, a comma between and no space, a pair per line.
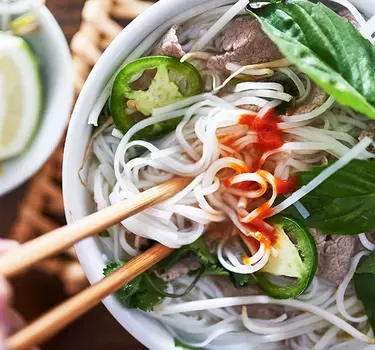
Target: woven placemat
42,208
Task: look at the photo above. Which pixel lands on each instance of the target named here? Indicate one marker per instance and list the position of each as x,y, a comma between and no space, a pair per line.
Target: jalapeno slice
298,258
168,81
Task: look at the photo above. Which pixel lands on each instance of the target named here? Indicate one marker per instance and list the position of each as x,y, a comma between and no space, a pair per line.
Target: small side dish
36,89
20,82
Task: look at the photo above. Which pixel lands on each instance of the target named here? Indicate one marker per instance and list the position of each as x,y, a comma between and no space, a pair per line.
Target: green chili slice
297,259
168,81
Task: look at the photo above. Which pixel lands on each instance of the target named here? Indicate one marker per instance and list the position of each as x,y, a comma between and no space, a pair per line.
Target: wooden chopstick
56,319
51,243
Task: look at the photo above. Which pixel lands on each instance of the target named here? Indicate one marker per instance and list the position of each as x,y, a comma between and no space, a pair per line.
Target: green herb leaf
325,47
208,260
240,280
216,270
204,255
199,248
364,283
345,202
181,346
368,266
139,293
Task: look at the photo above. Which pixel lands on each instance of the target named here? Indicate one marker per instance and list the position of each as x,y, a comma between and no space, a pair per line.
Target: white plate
78,202
52,51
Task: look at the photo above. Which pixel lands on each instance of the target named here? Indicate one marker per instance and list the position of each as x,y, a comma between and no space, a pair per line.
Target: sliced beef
169,44
264,312
335,254
315,99
244,42
183,267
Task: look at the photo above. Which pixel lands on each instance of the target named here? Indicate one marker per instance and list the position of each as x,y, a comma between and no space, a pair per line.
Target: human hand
10,320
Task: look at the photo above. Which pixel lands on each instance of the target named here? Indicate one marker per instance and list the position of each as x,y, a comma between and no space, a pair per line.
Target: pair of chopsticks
51,243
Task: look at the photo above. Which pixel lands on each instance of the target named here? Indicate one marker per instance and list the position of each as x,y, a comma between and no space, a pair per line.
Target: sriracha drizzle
269,137
287,186
268,133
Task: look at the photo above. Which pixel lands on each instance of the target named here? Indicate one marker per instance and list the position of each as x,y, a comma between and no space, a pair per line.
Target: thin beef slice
244,42
335,254
169,44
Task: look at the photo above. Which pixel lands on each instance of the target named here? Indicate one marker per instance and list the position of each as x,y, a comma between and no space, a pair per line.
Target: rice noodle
315,113
220,24
200,305
303,92
365,242
340,294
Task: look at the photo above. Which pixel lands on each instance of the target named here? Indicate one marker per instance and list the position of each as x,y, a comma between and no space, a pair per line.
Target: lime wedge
20,95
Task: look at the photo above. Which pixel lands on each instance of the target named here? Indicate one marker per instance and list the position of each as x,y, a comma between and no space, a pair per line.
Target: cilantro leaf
240,280
204,255
216,270
139,293
198,248
209,261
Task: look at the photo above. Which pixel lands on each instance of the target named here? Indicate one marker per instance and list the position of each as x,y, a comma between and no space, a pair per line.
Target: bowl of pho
269,108
36,89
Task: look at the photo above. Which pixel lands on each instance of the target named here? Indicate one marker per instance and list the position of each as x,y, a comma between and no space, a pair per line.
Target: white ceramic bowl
78,202
52,50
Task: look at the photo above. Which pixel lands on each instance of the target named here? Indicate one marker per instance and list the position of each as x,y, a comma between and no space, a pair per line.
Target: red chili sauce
287,186
268,132
269,138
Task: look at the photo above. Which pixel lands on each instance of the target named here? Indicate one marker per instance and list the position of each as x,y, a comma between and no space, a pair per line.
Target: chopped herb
209,261
240,280
198,248
141,292
174,295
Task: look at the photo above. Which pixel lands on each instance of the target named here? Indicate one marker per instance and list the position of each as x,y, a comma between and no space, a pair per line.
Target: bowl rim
61,46
87,250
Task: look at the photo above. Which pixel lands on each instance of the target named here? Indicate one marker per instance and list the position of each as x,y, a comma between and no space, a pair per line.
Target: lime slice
20,95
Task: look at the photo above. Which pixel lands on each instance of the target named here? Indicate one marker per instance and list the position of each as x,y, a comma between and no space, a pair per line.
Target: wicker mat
42,208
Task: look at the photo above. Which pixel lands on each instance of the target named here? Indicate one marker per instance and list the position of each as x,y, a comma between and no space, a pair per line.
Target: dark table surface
35,292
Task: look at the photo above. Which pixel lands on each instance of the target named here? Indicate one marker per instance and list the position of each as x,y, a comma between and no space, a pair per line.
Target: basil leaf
327,48
368,266
364,283
345,202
